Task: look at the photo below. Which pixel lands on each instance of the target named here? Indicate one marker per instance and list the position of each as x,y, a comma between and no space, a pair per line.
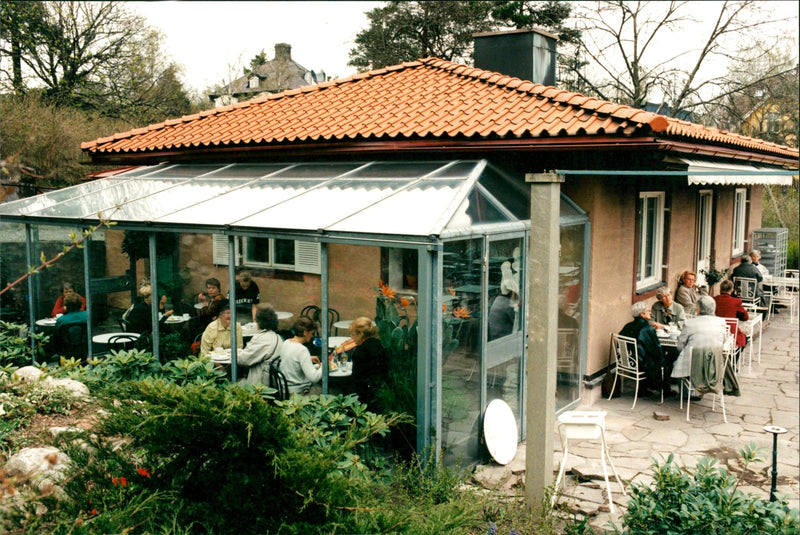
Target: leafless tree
639,51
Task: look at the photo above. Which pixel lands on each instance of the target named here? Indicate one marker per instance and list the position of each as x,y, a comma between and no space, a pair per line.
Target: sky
207,38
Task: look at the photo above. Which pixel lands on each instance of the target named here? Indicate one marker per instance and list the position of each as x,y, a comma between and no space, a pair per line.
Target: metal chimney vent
525,54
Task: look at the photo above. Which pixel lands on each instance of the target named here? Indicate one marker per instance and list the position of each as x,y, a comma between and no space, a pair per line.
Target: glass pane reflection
570,278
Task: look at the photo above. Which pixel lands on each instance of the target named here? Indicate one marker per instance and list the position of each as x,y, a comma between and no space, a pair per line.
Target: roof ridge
657,122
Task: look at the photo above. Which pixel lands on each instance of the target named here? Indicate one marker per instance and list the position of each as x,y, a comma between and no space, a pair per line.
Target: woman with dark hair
66,289
297,365
262,348
370,364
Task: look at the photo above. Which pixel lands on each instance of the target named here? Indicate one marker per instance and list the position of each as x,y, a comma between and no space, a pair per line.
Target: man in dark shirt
748,270
247,296
651,356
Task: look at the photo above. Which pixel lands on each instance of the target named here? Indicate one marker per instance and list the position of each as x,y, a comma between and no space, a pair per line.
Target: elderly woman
218,332
370,364
687,293
262,348
665,311
651,356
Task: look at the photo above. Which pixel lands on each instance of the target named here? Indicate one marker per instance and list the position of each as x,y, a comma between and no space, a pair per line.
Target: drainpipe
540,402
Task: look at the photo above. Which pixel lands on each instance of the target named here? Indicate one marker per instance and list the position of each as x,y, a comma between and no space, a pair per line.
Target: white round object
500,431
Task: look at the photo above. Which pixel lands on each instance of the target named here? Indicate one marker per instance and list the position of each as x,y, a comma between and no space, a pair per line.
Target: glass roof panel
317,170
238,203
105,199
397,169
457,170
414,211
143,170
246,170
185,171
32,205
483,210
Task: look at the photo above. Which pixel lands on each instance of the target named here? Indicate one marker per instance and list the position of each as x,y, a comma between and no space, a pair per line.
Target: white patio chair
746,289
626,357
783,295
567,346
585,425
733,327
721,360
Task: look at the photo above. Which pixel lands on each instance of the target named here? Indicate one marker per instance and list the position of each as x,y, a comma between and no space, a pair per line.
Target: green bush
15,346
703,501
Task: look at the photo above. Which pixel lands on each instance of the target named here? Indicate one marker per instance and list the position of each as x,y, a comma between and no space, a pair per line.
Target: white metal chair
782,295
626,357
733,328
585,425
721,361
566,347
746,289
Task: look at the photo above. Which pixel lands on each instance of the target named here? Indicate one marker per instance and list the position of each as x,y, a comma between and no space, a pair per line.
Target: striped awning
728,174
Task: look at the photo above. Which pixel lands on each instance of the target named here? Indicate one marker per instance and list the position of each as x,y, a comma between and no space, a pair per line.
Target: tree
92,55
406,31
624,43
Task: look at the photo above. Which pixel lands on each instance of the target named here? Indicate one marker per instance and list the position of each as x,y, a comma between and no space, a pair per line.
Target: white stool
585,425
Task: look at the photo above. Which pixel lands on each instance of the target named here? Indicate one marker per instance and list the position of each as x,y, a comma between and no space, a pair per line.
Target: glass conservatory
433,251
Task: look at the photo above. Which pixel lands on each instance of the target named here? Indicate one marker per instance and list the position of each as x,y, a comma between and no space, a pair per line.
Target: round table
283,315
46,322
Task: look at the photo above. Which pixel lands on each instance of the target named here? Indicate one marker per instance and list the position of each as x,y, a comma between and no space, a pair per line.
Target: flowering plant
714,275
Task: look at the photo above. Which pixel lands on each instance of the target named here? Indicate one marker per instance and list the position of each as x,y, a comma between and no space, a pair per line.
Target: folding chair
585,425
626,357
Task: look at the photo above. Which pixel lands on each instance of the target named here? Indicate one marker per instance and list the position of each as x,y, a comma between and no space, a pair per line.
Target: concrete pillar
540,401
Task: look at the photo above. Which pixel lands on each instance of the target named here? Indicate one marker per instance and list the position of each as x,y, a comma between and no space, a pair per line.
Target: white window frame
739,220
650,239
307,258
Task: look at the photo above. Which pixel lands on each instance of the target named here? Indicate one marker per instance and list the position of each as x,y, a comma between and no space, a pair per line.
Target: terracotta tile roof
429,98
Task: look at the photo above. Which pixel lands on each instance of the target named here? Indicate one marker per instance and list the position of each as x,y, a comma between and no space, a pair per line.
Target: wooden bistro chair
626,357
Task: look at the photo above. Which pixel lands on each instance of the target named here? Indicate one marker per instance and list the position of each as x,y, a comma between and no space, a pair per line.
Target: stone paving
770,396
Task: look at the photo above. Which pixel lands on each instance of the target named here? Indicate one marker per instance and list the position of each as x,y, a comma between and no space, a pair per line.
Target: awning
728,174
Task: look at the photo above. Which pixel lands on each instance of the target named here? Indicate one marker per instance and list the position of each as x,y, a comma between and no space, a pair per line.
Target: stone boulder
28,374
78,389
42,467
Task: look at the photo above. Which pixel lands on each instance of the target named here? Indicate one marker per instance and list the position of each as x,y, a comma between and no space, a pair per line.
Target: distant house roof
277,75
428,101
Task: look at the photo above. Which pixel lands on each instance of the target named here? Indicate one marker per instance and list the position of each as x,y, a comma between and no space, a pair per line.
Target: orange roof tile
426,98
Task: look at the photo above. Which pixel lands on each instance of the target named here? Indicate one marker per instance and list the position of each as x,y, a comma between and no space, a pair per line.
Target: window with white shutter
272,253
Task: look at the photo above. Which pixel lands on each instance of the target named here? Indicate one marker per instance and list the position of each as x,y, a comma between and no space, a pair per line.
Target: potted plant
713,275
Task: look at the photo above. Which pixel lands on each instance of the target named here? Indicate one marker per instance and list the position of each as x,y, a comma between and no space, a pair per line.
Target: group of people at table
700,320
303,371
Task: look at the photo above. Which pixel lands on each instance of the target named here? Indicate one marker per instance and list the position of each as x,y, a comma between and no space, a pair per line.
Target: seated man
665,311
707,330
651,356
748,270
755,256
218,332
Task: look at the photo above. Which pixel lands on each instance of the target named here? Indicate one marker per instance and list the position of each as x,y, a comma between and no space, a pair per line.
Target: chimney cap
508,32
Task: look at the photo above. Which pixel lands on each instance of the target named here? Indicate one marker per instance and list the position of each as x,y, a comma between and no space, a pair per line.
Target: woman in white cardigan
262,348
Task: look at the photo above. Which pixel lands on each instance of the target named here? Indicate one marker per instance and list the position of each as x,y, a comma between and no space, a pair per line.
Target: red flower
144,472
94,511
119,480
404,301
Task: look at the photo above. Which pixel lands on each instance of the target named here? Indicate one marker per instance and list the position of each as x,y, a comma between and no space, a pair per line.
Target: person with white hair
503,312
755,256
651,355
665,311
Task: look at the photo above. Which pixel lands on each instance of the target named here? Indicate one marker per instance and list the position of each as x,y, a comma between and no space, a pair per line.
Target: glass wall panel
570,309
461,345
505,330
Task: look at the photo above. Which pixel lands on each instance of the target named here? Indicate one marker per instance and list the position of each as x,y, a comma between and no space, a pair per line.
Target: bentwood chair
122,342
278,381
626,357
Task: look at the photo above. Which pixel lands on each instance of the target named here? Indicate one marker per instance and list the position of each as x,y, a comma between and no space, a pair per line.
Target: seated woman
60,308
732,307
140,317
297,365
262,348
218,332
370,364
687,293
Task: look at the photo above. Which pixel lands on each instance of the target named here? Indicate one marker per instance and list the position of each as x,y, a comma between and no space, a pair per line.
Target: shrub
703,501
15,346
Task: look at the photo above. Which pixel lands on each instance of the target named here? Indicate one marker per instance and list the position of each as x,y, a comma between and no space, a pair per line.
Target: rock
660,416
77,388
28,373
43,467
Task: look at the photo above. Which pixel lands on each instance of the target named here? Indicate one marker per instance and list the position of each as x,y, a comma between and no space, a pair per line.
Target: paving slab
635,438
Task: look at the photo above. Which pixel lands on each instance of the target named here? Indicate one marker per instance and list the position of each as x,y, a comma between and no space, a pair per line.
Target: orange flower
461,313
444,307
451,290
388,292
144,472
404,302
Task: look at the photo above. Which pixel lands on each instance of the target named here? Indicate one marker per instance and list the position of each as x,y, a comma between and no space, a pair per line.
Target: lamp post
775,430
